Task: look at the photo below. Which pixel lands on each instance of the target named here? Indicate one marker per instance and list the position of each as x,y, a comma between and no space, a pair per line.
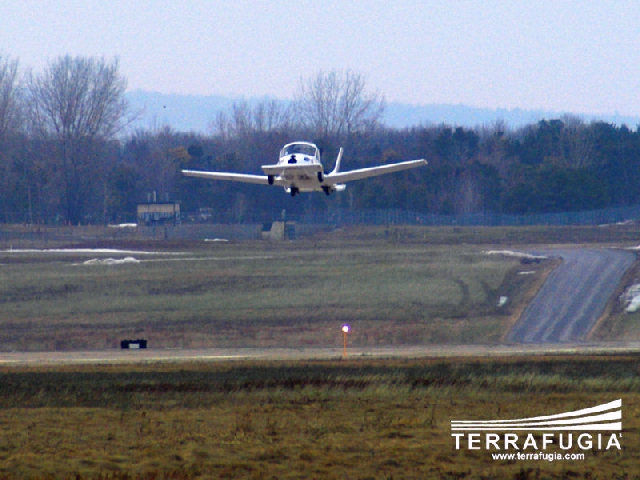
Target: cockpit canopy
301,148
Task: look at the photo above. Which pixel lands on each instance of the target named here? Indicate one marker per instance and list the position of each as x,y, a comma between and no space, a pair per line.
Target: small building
279,231
153,213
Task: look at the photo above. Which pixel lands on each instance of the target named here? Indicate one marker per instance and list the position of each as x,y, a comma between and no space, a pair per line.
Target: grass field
358,418
262,294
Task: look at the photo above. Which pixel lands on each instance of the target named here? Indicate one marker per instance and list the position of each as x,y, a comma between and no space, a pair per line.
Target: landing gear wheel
326,190
294,191
320,177
270,179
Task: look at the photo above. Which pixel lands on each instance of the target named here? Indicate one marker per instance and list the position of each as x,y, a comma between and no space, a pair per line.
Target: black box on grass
133,344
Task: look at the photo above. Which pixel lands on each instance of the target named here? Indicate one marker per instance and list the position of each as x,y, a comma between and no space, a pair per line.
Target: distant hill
401,115
196,112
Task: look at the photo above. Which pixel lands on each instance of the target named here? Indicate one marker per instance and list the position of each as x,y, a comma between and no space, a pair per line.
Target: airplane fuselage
299,169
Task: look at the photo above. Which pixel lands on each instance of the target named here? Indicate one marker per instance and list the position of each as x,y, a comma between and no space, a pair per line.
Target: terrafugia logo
601,419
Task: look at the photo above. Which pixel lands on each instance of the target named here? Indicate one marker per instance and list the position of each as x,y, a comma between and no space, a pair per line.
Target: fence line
402,217
347,216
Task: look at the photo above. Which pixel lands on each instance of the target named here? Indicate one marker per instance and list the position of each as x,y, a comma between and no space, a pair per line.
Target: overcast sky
579,56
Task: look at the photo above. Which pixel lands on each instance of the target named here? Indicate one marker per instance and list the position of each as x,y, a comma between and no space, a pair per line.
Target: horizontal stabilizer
296,169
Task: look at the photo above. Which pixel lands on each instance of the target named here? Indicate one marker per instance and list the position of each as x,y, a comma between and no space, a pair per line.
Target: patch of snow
86,250
631,298
502,302
216,240
124,225
623,223
528,272
510,253
111,261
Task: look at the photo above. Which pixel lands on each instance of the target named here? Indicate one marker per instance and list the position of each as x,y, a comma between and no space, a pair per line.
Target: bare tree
244,119
270,115
9,121
9,105
494,145
80,103
79,97
337,104
578,142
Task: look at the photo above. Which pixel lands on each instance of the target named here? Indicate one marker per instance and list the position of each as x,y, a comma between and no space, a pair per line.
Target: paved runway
152,356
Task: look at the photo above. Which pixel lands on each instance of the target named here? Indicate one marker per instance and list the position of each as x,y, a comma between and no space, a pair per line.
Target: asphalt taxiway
573,297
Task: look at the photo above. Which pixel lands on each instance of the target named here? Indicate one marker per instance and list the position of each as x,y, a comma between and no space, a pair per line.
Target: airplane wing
341,177
233,177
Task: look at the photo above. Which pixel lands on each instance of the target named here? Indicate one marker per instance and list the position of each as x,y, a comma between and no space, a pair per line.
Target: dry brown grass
334,419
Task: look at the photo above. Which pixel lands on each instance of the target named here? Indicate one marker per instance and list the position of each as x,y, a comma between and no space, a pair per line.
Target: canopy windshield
299,148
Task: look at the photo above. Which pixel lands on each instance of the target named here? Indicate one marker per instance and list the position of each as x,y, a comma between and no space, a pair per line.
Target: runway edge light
345,330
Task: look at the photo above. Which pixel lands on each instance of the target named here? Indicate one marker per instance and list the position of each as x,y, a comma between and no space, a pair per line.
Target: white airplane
300,170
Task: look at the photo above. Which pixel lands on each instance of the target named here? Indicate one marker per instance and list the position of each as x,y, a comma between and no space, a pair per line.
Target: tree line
68,154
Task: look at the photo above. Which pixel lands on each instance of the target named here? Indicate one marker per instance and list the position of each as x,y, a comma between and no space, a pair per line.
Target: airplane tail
336,169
